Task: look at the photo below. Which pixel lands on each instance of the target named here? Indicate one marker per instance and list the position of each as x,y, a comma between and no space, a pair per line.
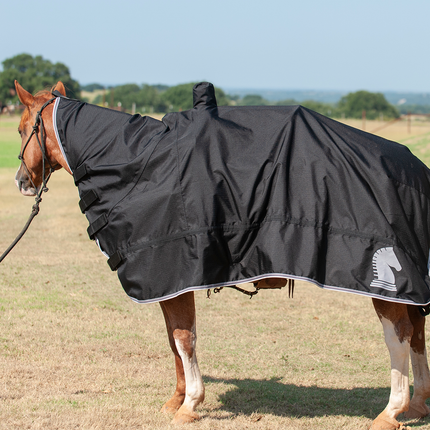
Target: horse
403,323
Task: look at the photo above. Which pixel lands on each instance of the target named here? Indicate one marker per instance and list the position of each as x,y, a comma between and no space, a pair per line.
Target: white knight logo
384,261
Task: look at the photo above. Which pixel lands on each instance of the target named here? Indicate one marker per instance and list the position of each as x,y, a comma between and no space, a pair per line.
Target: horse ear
60,88
24,96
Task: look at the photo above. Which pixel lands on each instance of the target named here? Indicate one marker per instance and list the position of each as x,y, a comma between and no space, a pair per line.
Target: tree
353,104
145,97
326,109
34,73
253,100
124,94
414,108
179,97
287,102
92,87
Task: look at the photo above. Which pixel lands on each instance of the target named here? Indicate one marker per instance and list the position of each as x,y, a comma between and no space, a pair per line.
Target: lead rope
34,212
45,178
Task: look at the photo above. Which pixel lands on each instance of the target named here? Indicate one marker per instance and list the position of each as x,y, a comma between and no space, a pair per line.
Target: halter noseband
42,145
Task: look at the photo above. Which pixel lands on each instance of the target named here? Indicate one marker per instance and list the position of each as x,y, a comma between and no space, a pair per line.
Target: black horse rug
216,196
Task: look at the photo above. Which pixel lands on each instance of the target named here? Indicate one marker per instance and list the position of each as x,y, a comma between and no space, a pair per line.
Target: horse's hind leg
179,314
417,407
398,331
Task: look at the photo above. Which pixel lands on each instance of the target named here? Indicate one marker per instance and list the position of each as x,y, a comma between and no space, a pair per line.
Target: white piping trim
54,121
428,264
279,275
100,247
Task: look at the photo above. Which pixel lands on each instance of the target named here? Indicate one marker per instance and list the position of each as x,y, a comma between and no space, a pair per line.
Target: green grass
10,142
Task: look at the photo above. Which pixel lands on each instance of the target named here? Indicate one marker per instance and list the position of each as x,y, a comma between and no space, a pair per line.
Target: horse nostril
19,184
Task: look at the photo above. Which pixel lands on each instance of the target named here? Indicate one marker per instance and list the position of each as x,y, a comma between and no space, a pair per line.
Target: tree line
148,98
351,105
152,98
35,73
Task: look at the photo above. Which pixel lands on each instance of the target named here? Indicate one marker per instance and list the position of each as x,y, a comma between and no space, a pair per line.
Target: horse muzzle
25,185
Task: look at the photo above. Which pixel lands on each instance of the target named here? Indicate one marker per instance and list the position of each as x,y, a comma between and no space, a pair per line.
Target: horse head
40,154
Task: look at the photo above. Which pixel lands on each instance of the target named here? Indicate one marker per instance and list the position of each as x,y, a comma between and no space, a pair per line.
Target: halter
38,125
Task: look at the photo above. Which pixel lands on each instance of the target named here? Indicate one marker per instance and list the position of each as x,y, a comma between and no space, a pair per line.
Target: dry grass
75,352
91,95
414,134
393,130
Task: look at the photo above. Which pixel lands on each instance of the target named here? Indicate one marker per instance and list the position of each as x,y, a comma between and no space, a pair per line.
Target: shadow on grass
250,396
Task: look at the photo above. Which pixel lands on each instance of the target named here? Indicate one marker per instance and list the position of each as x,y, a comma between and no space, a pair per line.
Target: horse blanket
216,196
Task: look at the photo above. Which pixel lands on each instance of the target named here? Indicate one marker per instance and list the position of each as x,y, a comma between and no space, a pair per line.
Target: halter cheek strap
38,124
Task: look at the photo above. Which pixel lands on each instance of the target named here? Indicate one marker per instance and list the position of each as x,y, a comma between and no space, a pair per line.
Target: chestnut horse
403,324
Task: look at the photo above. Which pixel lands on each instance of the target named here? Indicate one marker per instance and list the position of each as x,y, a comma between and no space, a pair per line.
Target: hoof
383,422
169,410
172,406
185,416
417,411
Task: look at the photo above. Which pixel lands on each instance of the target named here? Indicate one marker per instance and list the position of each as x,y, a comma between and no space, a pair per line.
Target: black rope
290,283
424,310
34,212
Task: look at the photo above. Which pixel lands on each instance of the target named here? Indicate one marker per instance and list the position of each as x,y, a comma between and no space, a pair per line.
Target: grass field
76,353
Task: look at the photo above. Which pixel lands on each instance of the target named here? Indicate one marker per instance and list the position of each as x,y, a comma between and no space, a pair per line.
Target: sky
342,45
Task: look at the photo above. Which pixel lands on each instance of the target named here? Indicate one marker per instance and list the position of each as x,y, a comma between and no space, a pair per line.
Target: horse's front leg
180,316
398,331
178,397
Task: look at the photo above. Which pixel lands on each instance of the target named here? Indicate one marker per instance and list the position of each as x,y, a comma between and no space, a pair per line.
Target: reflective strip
428,264
101,250
277,275
54,121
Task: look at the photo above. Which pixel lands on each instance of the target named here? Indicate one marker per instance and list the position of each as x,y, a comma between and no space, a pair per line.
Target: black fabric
218,195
